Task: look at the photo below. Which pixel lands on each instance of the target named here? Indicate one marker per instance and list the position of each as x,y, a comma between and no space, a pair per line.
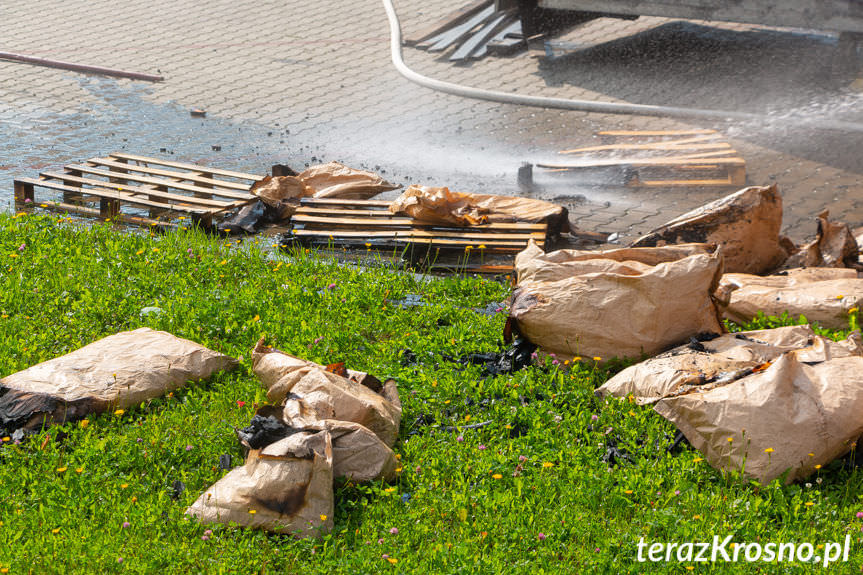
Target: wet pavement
305,84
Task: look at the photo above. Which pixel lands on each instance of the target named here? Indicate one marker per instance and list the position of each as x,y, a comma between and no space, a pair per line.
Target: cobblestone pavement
299,83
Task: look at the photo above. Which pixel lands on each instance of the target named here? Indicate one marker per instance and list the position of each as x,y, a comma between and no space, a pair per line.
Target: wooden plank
659,146
206,204
339,212
92,212
682,183
669,161
655,132
299,218
453,18
419,234
168,173
109,194
417,240
473,43
160,182
344,202
190,167
457,33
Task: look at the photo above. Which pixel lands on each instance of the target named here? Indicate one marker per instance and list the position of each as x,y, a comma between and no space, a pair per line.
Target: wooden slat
300,218
208,205
406,238
451,19
416,234
670,161
659,146
427,234
309,211
344,202
114,195
655,132
93,212
169,174
191,167
160,182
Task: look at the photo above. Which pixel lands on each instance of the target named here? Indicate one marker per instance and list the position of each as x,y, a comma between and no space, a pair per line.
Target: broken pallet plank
189,176
246,197
209,205
185,166
452,19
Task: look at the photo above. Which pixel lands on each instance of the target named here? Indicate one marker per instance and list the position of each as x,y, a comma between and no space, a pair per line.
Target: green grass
475,505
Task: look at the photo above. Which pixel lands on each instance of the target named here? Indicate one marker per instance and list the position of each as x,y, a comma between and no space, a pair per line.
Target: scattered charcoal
409,358
517,429
679,441
249,219
177,489
512,359
225,461
696,345
613,455
264,430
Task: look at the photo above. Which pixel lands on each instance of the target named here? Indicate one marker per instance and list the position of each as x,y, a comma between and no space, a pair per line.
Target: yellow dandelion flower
55,531
389,489
79,470
62,469
698,460
6,439
223,262
4,570
628,491
597,358
134,499
84,423
811,455
119,412
854,310
730,439
392,560
155,249
548,464
139,252
252,511
696,516
577,358
124,486
467,418
399,469
769,450
256,318
323,517
481,246
809,504
497,476
818,466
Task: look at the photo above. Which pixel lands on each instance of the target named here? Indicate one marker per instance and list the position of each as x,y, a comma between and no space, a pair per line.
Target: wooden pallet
124,186
661,158
368,224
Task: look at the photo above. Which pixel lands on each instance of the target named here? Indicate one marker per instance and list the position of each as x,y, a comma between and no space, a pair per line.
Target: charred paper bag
717,361
286,488
598,306
440,205
335,180
330,395
797,414
823,295
358,454
744,224
834,246
118,371
281,194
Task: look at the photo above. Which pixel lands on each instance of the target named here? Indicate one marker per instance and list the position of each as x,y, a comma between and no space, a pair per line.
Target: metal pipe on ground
584,105
85,68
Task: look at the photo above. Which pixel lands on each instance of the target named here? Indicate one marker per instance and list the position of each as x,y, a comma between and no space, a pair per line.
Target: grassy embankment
529,493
